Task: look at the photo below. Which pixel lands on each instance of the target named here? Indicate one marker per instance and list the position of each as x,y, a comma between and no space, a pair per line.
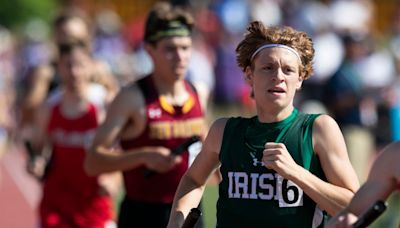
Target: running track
19,192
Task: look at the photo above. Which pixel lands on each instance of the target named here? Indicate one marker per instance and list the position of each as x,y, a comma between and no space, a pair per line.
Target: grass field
209,205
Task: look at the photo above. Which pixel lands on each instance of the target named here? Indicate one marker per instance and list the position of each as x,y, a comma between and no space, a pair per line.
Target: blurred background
356,78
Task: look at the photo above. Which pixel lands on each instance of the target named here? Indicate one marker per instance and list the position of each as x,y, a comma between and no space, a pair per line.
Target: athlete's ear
149,48
299,83
248,74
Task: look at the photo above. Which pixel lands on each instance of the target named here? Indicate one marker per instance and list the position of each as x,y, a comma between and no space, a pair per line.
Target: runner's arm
335,193
191,187
102,157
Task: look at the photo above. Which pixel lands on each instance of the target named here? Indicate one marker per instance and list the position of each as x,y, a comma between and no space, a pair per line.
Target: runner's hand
160,159
110,184
36,167
342,221
278,158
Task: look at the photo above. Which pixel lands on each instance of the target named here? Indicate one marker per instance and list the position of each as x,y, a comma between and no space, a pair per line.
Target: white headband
272,46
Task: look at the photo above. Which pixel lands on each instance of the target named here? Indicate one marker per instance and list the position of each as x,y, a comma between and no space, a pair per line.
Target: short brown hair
257,35
73,14
160,18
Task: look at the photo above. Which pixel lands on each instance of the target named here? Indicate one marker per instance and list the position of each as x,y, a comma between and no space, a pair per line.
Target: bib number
289,194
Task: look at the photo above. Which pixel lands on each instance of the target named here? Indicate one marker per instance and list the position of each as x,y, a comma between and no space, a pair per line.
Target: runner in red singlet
67,122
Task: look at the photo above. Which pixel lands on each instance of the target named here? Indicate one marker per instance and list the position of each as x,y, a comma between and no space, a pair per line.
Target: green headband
173,28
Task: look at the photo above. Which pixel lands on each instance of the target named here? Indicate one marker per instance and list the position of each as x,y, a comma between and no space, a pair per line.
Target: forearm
187,196
368,194
102,160
362,201
328,197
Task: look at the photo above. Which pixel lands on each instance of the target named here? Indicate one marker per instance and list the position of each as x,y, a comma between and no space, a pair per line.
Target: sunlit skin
274,78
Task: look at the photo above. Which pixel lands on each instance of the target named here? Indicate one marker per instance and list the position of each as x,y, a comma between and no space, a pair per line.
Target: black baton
192,218
371,214
177,151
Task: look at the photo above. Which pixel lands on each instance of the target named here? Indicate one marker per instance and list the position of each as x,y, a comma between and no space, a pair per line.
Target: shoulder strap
146,86
191,86
306,133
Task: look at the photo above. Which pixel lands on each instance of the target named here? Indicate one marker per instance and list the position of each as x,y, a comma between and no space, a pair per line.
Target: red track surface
19,192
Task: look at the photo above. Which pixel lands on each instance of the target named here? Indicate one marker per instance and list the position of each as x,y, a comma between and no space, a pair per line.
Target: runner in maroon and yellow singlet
150,118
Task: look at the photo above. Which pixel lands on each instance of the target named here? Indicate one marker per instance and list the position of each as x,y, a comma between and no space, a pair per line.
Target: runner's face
75,69
275,77
171,56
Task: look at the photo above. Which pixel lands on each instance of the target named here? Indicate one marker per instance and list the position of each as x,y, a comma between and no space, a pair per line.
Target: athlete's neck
73,108
274,115
174,92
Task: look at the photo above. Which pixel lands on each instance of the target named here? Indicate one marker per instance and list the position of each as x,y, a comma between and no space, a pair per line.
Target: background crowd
357,63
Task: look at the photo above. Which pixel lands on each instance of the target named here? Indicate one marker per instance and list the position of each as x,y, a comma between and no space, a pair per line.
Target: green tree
16,13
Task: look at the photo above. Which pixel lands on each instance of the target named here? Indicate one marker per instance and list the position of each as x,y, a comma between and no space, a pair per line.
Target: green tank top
250,195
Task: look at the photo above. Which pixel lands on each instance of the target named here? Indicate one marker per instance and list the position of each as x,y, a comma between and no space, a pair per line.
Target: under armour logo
155,113
257,162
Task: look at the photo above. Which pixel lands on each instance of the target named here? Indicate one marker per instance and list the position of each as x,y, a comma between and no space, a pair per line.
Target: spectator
348,102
